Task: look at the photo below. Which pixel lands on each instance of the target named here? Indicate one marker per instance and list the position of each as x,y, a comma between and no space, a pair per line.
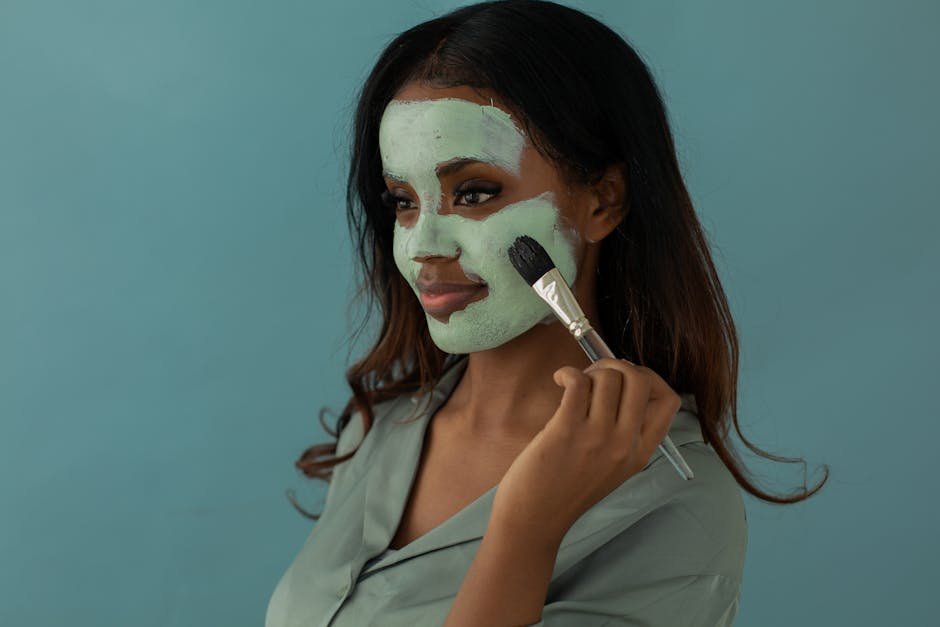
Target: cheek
537,217
405,264
484,253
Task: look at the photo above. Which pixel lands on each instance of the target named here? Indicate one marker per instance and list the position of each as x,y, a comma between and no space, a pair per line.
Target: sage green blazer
658,551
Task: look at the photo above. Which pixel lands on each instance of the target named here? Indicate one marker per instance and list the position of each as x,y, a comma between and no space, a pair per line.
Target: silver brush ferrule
554,290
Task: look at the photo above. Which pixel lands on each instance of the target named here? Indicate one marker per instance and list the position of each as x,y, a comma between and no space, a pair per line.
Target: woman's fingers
576,398
647,405
633,401
590,395
606,394
663,405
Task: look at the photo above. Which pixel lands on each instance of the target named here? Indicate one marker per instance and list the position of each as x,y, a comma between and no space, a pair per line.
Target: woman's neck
508,392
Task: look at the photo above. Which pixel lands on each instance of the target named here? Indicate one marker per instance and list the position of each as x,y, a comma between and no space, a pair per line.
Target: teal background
175,280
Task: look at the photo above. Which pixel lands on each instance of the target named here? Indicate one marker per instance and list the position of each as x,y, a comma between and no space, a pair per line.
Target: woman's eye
475,195
395,202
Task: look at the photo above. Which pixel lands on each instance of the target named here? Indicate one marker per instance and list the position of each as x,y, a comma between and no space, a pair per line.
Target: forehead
417,135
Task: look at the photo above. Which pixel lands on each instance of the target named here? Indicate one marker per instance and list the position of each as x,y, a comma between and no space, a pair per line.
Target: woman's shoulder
700,523
353,436
354,433
714,493
400,408
705,514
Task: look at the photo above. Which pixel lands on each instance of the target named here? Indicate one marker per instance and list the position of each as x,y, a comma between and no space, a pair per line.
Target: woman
485,472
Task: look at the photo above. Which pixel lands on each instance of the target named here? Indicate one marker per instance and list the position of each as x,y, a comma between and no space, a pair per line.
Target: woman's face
465,181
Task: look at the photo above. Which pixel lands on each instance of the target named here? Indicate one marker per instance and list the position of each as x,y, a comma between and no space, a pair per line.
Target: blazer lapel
394,470
392,473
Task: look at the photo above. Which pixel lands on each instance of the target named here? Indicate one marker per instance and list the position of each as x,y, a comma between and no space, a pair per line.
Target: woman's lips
443,303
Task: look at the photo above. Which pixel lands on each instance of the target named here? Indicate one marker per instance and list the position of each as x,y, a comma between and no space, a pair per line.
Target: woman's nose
437,258
430,237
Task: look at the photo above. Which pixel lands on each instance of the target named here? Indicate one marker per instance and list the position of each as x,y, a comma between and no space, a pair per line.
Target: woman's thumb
561,376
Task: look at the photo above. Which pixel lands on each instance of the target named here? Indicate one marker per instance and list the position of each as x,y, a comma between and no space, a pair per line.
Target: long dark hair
587,100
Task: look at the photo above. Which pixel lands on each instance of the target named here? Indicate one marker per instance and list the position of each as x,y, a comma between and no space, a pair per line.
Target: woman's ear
610,193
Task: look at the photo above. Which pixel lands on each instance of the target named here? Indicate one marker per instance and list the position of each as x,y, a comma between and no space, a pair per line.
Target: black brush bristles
529,259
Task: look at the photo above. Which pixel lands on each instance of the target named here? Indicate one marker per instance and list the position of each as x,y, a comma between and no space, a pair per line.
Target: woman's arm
610,420
508,580
507,585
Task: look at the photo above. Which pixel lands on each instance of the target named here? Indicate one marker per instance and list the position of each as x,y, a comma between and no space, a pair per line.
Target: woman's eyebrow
446,168
452,167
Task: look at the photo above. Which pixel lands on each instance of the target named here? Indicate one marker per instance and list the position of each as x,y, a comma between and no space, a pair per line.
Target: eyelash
391,200
479,188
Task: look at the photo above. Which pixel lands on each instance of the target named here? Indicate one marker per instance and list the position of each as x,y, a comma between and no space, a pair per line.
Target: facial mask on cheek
511,307
415,137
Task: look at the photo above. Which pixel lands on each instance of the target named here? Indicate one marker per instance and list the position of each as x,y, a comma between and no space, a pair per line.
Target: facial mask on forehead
417,136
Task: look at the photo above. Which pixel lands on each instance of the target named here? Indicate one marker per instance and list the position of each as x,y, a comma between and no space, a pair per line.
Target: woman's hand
611,418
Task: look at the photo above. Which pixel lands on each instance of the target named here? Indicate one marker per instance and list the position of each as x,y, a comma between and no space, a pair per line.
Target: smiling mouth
441,305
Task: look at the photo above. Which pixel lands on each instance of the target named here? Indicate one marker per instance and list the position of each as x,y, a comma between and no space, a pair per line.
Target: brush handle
596,349
554,290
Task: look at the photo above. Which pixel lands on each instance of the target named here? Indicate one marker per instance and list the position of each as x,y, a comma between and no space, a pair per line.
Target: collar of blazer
395,464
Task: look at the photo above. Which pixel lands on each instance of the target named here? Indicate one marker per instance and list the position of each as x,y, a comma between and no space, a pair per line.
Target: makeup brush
535,265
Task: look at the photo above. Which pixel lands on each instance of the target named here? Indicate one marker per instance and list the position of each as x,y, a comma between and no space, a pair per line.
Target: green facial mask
417,136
